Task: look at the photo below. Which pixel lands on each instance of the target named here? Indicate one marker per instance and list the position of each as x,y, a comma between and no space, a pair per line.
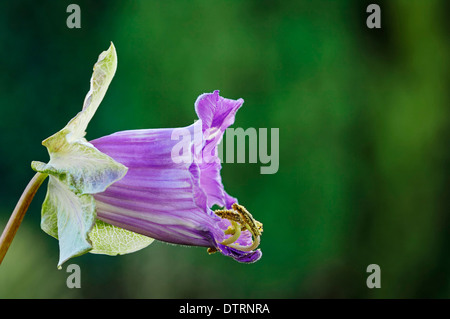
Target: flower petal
158,197
244,257
216,112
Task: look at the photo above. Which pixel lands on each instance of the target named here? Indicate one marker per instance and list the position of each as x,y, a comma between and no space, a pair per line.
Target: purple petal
215,111
157,197
216,114
240,256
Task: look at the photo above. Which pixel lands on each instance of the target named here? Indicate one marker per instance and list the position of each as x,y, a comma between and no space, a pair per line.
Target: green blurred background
364,126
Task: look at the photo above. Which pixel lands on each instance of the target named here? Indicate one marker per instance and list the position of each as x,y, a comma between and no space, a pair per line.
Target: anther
229,214
254,226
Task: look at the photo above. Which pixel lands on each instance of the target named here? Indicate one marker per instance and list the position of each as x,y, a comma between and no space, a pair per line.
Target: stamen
255,226
230,215
239,215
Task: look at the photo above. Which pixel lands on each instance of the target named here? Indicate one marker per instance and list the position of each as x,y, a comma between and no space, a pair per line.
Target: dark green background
364,125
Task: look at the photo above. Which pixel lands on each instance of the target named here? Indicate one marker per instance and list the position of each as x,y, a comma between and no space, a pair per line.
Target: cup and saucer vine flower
117,194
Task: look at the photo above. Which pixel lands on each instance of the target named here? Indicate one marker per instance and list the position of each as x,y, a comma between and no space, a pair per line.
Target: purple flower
115,195
171,185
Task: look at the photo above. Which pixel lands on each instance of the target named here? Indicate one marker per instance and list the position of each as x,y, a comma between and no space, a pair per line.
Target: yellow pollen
253,225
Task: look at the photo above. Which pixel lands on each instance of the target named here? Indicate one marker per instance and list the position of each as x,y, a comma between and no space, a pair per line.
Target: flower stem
19,212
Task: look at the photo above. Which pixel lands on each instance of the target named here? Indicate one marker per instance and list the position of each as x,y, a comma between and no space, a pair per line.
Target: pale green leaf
77,169
69,218
111,240
73,160
103,73
83,168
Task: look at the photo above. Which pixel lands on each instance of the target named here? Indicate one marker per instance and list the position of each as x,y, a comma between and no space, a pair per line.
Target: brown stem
19,212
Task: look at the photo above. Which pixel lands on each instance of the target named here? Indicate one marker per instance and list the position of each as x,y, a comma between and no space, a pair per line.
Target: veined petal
217,113
158,197
240,256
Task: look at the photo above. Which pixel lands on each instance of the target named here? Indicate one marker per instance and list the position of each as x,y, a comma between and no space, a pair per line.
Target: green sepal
69,217
77,170
83,168
73,160
111,240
